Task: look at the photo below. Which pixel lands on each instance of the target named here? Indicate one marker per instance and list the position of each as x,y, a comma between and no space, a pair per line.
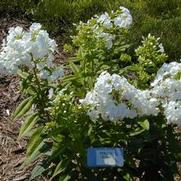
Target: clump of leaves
150,56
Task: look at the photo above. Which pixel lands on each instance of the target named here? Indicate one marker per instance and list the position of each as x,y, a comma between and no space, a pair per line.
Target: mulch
12,151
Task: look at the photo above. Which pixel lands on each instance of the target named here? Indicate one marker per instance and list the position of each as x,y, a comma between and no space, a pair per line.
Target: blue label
105,157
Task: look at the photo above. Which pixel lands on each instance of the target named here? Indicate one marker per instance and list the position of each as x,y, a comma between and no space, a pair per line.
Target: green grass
161,18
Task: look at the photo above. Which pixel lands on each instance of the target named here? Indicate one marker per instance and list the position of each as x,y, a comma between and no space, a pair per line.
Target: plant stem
41,101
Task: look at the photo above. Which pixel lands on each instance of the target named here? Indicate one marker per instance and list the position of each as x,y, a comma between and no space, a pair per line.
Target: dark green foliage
161,18
7,6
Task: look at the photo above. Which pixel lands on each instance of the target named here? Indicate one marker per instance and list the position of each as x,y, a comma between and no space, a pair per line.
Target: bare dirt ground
12,151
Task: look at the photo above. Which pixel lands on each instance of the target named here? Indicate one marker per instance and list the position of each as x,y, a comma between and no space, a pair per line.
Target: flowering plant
104,101
31,49
99,44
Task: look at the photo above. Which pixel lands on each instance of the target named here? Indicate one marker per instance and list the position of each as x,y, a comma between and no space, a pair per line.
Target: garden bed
106,100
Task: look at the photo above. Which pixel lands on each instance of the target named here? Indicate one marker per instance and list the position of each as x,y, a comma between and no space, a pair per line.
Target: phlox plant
100,43
103,44
106,100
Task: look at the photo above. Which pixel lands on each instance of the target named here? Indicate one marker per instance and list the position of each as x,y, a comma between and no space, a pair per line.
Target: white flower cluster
113,98
123,19
167,71
108,38
25,48
105,20
167,90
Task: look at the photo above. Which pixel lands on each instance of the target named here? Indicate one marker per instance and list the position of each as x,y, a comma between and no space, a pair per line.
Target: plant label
105,157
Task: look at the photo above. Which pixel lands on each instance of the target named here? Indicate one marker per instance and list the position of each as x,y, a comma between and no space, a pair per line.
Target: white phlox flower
161,48
53,75
113,98
166,71
172,111
123,20
56,74
50,93
108,38
167,90
105,20
35,27
20,46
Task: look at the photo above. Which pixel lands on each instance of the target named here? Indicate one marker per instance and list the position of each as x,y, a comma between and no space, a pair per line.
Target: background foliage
160,18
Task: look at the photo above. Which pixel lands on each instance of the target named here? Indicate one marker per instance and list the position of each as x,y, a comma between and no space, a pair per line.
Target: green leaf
69,78
89,131
178,76
22,74
23,108
145,124
30,91
124,47
34,146
34,141
59,169
27,125
35,154
74,68
137,132
127,177
64,178
37,171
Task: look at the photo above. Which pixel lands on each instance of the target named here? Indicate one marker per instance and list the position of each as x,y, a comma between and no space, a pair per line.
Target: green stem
92,78
41,101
